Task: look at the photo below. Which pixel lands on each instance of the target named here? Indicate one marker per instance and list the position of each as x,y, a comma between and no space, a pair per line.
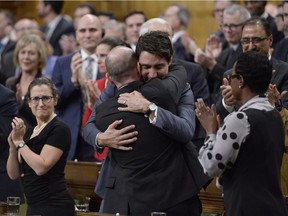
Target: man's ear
56,100
170,62
109,78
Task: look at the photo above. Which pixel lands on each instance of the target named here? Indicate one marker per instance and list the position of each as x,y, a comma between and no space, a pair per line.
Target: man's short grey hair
145,26
245,14
184,15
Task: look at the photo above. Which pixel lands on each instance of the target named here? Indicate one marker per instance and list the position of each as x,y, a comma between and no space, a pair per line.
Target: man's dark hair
256,70
55,5
42,81
157,43
91,8
261,21
133,13
108,14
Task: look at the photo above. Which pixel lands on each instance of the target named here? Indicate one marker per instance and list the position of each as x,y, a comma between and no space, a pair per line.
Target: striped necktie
89,68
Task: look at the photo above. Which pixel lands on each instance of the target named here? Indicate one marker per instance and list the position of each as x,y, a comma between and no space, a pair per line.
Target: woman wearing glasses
30,57
38,155
246,151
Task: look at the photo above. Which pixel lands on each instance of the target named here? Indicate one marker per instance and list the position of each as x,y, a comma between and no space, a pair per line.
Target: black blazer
8,110
156,159
8,67
196,77
225,61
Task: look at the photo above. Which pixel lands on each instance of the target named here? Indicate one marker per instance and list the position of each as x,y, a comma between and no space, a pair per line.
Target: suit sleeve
176,80
181,127
61,77
90,131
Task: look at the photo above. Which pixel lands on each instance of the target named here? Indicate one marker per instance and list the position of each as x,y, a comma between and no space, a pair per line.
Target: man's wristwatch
21,145
151,108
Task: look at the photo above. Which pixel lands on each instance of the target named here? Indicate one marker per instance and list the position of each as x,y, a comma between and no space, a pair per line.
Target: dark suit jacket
7,68
8,110
180,51
225,61
277,35
154,159
70,107
196,77
63,28
279,78
281,51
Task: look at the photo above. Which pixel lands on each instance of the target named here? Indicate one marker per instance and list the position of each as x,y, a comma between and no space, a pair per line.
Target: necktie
89,69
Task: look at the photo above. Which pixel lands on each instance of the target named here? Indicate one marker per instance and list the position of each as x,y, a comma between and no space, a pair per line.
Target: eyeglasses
254,40
232,27
45,99
233,76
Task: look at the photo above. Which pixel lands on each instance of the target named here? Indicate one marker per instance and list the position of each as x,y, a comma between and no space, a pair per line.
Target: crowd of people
145,99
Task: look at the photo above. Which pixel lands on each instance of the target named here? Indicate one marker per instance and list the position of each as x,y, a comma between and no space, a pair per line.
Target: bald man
88,34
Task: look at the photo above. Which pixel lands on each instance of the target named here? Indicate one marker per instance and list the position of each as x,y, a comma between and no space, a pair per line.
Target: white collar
177,35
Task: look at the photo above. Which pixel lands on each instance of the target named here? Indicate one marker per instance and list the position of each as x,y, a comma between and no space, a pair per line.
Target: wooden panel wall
201,24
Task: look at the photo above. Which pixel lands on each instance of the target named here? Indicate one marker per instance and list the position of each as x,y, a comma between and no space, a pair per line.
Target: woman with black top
246,151
38,156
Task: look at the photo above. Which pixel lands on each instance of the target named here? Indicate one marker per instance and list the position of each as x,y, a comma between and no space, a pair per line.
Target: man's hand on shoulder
134,101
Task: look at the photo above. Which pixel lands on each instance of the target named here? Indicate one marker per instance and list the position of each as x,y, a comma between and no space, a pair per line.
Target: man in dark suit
184,46
256,36
233,19
170,124
55,24
196,76
154,157
257,9
7,67
70,91
8,110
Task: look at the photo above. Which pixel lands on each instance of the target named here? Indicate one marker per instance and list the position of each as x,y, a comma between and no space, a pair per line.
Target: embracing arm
182,126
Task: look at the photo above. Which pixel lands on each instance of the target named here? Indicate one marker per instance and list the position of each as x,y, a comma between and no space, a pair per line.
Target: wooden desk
212,200
81,178
93,214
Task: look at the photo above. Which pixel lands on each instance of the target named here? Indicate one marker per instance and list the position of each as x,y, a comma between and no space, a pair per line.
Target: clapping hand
207,116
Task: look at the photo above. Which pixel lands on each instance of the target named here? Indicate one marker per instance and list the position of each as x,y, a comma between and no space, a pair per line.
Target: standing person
55,24
30,57
38,156
153,63
196,76
247,157
133,22
281,20
233,19
7,46
153,154
71,98
8,110
257,9
184,46
219,7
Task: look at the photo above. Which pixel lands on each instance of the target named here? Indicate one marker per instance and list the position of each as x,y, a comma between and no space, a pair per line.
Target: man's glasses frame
253,40
231,27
